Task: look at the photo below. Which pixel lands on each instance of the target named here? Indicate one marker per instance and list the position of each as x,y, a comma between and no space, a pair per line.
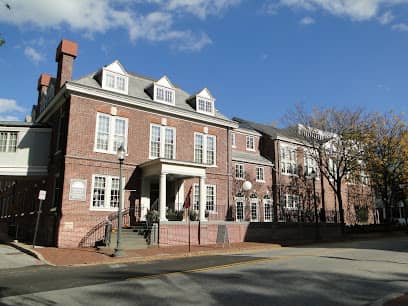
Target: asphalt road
357,273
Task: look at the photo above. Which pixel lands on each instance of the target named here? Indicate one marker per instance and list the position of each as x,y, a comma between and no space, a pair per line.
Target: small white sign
77,190
42,194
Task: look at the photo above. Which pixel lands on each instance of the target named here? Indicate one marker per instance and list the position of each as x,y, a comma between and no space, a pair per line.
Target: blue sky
258,58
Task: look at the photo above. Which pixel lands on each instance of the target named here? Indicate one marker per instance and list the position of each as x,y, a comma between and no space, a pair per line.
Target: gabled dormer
162,91
114,78
203,102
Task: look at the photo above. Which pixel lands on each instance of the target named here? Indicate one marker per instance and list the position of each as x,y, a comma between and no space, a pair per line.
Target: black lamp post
313,177
121,157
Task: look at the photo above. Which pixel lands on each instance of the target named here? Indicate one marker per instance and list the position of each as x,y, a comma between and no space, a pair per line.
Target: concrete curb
175,256
29,251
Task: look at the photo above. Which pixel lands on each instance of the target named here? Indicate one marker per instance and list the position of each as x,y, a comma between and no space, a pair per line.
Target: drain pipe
228,173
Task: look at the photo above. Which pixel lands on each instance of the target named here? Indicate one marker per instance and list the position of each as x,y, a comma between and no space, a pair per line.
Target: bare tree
335,139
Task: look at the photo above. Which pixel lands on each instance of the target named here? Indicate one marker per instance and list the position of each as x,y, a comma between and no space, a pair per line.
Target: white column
202,198
145,199
162,197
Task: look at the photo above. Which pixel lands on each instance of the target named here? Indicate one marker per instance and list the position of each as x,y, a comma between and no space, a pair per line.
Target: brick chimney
42,87
66,53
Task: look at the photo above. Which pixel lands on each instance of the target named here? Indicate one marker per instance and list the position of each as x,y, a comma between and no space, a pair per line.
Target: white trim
242,200
256,202
233,140
245,131
263,174
108,187
165,90
111,132
205,100
205,138
162,144
215,198
106,72
142,103
243,171
253,142
264,202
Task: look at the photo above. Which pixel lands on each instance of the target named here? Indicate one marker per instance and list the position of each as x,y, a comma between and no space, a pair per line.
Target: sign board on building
77,190
42,194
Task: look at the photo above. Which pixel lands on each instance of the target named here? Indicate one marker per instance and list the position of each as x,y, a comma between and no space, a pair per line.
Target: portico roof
170,166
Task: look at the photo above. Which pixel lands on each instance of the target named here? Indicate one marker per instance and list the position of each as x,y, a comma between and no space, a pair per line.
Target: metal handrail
97,233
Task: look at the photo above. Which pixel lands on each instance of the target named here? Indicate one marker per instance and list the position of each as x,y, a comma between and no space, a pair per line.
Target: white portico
172,173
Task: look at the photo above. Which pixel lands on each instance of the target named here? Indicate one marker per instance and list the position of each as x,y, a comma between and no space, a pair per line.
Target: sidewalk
91,256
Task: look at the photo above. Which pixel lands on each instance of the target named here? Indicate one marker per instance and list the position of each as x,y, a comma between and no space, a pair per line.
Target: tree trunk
341,211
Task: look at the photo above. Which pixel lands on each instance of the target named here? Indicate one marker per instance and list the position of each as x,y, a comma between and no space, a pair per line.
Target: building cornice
75,88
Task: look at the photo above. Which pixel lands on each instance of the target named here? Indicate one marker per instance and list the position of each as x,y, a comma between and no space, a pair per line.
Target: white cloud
33,55
386,18
357,10
10,105
307,20
403,27
98,16
8,118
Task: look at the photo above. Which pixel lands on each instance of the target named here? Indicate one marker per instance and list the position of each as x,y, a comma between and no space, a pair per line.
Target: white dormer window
205,102
164,91
115,78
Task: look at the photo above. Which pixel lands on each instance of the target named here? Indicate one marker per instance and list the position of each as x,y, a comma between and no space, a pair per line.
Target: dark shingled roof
137,89
273,132
250,157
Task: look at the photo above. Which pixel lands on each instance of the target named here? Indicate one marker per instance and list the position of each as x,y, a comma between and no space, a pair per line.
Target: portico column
202,198
162,197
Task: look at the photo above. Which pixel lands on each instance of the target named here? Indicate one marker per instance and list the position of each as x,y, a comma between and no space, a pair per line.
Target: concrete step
130,241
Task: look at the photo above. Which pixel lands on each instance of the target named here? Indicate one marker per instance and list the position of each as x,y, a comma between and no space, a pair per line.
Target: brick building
179,148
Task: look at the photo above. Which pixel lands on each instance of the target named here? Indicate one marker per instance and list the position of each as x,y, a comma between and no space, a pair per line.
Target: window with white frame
250,143
162,142
254,209
291,201
164,94
211,196
8,141
260,175
310,165
240,208
267,202
114,81
105,192
204,149
288,159
239,171
111,132
233,143
205,106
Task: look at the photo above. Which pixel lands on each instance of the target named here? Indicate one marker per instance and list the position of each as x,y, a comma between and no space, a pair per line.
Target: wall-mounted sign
42,194
77,190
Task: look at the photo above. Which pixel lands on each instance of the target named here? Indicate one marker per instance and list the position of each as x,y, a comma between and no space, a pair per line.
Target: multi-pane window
288,158
160,148
233,140
163,94
8,141
267,209
291,201
205,106
115,82
240,210
239,171
204,149
260,177
111,133
310,165
105,192
254,209
250,143
210,198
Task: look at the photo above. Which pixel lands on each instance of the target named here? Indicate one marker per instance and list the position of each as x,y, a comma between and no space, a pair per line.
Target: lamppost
313,177
121,157
246,186
402,189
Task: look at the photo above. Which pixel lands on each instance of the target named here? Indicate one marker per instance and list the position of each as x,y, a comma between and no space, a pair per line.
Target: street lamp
121,157
313,177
